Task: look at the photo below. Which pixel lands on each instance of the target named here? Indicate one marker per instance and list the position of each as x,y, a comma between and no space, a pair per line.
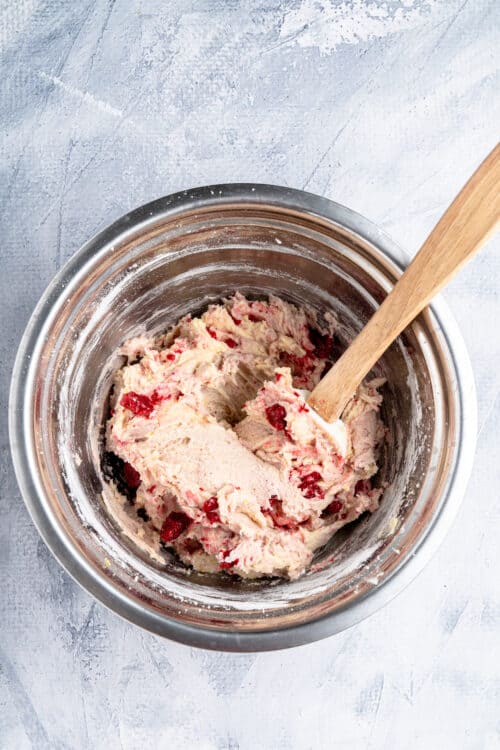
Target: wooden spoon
466,225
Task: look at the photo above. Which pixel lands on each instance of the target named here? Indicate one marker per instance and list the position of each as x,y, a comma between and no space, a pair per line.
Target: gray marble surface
384,106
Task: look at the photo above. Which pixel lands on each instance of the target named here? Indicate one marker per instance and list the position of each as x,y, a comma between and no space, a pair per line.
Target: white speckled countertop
386,106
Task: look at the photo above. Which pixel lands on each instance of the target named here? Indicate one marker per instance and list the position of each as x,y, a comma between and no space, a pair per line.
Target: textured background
384,106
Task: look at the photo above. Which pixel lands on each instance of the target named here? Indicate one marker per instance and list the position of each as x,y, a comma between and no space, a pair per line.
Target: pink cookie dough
215,453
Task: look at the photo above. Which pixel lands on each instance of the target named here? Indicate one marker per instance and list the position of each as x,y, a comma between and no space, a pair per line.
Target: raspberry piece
322,343
300,366
210,507
311,478
335,506
231,343
253,318
236,321
156,397
173,526
211,332
313,491
276,416
363,486
228,565
152,488
171,357
131,476
309,485
138,403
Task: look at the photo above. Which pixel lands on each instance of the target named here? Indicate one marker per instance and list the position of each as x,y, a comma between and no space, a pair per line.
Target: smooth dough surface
214,451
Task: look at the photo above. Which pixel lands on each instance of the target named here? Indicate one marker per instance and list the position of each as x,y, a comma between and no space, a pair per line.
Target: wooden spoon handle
465,226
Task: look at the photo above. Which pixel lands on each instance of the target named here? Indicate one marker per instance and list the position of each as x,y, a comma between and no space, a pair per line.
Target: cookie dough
211,450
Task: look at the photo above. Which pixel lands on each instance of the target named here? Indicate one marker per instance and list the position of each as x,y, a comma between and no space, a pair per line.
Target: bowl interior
144,280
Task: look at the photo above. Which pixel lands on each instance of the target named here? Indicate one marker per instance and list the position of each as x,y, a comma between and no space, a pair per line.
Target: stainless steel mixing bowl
175,256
